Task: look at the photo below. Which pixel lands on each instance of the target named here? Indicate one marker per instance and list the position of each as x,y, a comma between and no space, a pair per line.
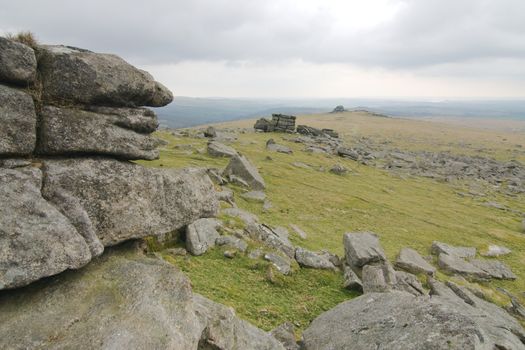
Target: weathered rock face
122,301
17,63
201,235
18,122
125,201
36,240
240,166
76,76
400,321
112,131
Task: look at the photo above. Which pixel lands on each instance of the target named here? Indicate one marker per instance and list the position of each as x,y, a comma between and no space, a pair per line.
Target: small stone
338,169
281,263
496,250
351,280
177,251
256,196
299,232
267,205
230,254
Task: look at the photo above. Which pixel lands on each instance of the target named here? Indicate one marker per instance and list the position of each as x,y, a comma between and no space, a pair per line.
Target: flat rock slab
17,63
496,269
281,263
456,265
240,166
18,122
118,132
496,250
36,240
125,200
232,242
401,321
410,260
81,77
201,235
217,149
461,252
306,258
362,248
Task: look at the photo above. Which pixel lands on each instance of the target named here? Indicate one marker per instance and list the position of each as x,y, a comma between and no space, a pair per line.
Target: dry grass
24,37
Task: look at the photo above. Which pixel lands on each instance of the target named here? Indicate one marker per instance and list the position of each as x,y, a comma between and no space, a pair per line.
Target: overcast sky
298,48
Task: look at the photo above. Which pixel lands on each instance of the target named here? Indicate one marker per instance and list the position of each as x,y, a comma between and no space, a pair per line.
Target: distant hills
190,111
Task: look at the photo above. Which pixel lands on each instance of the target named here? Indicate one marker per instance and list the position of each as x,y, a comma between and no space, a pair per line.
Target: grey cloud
424,33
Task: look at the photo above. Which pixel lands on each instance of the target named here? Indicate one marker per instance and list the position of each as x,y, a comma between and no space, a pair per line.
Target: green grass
409,212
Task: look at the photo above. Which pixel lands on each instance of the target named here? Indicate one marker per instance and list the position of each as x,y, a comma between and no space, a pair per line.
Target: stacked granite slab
67,185
279,123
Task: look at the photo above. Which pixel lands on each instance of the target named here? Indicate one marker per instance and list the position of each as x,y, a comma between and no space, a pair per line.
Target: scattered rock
378,278
215,176
226,195
409,283
232,242
18,120
76,76
461,252
201,235
286,335
267,205
271,238
247,218
177,251
362,248
338,169
348,153
496,250
281,263
230,254
301,165
210,132
255,254
272,146
496,269
455,265
240,166
410,260
306,258
17,63
257,196
217,149
351,280
236,180
299,232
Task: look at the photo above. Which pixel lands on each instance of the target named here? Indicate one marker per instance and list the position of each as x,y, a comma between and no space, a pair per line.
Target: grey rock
281,263
215,176
267,205
409,283
333,258
362,248
232,242
496,269
378,278
240,166
210,132
455,265
306,258
496,250
246,217
18,120
275,147
201,235
224,331
461,252
17,63
264,124
124,200
299,231
75,76
338,169
36,240
271,238
217,149
350,279
226,195
255,254
410,260
177,251
13,163
401,321
257,196
236,180
230,254
109,131
348,153
285,334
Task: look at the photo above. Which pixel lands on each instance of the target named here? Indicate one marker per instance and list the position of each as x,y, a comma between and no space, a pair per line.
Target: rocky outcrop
80,77
123,300
401,321
241,167
17,63
279,123
18,121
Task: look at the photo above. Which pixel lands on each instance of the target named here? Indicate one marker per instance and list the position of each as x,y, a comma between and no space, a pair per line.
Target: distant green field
404,212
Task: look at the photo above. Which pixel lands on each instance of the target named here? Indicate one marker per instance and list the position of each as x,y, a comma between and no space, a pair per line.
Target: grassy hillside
404,212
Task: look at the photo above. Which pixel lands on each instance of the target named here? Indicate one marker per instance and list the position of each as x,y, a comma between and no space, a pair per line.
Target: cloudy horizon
299,49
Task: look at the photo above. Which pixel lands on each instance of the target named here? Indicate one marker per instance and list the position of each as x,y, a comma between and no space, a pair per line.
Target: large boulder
240,166
201,235
124,200
119,132
36,240
18,122
362,248
401,321
76,76
17,63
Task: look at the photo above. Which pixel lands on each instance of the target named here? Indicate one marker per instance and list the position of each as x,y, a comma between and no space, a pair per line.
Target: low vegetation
403,211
